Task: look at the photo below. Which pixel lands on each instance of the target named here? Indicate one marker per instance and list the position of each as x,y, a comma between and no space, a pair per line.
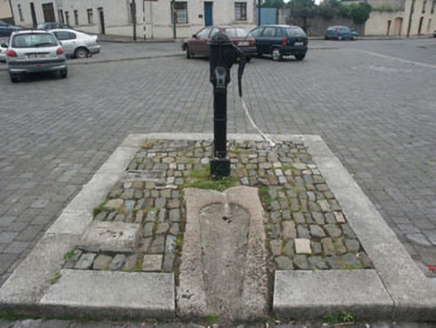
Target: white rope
264,136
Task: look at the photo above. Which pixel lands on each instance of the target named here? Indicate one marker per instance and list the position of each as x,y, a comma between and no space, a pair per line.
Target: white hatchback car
34,51
77,44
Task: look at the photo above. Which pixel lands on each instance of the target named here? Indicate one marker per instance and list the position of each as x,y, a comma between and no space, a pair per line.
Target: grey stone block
142,295
313,294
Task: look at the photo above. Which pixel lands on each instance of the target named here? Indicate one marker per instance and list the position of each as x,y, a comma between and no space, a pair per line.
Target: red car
198,45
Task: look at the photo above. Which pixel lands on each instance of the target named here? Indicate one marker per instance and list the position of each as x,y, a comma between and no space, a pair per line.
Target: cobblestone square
372,102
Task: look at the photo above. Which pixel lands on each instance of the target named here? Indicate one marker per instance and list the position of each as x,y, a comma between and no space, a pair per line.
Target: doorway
101,15
389,27
49,14
208,13
33,14
398,25
421,20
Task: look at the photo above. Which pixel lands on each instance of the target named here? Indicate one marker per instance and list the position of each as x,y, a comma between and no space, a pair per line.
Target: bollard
223,55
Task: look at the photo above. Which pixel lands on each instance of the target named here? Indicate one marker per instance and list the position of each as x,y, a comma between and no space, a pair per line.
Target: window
67,17
240,11
214,31
61,16
423,6
429,25
34,40
62,36
20,13
236,32
90,16
255,33
76,17
203,34
269,32
181,12
432,6
295,32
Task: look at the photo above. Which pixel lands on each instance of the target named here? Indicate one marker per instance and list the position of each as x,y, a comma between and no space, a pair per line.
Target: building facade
154,19
6,12
400,17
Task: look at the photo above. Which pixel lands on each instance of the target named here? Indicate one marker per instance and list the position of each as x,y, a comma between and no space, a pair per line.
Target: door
49,14
420,25
199,44
266,40
33,14
68,40
208,13
102,27
389,27
398,23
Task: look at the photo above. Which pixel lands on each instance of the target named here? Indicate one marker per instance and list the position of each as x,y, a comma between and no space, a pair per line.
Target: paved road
376,113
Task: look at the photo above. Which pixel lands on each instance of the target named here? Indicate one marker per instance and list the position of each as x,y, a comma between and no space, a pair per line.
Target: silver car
77,44
35,51
3,49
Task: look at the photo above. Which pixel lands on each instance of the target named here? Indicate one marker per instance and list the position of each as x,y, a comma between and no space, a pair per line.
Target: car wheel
248,59
81,53
340,37
300,57
14,79
63,73
188,52
354,38
277,54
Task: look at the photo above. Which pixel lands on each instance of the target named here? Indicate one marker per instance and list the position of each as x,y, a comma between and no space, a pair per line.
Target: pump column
222,57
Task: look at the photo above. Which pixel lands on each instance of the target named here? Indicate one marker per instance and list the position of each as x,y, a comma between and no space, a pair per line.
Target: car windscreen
34,41
295,32
236,32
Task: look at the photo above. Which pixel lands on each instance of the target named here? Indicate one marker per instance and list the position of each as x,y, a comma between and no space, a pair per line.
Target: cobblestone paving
306,228
376,114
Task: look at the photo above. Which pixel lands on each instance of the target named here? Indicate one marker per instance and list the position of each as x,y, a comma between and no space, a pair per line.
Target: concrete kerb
411,294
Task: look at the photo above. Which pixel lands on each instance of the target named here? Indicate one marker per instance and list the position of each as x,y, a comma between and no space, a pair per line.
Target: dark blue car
6,29
339,32
280,40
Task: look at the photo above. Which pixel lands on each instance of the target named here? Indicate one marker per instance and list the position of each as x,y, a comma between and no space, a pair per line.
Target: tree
273,4
302,10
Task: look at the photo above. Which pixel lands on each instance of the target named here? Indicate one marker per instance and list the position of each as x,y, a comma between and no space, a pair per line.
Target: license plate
298,43
243,43
36,56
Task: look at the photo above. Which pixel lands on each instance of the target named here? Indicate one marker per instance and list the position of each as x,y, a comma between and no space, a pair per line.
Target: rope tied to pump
242,62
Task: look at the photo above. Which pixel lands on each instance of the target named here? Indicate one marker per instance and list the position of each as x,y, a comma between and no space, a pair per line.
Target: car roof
284,26
30,31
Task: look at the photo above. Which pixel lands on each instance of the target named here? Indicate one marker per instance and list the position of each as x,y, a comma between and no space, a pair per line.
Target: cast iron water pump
223,54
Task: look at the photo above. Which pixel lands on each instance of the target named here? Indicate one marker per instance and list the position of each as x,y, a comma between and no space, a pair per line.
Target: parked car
77,44
3,49
434,34
53,26
6,29
338,32
34,51
280,40
198,45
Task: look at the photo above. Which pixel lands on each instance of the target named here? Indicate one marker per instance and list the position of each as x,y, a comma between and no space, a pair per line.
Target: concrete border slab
104,294
314,294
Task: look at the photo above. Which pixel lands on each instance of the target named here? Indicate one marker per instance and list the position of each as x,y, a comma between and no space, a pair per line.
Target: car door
268,39
68,40
203,39
256,34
